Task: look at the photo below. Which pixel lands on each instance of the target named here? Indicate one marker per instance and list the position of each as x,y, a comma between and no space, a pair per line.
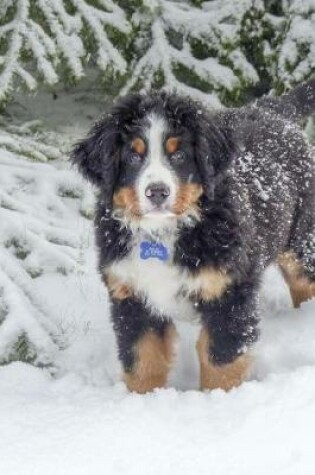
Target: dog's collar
153,250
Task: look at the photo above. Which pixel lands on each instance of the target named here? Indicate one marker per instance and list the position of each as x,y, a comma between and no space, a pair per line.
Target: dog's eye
135,158
178,156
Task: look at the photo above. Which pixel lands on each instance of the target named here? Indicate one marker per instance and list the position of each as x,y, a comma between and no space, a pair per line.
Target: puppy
193,205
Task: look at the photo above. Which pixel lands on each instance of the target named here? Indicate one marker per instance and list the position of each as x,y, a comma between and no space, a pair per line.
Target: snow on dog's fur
222,194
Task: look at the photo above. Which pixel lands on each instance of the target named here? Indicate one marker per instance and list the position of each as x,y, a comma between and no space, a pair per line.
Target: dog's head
153,156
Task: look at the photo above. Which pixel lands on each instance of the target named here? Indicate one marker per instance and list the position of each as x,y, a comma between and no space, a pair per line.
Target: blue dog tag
150,249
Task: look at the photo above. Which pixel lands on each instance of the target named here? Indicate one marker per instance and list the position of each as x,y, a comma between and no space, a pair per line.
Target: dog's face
154,156
158,175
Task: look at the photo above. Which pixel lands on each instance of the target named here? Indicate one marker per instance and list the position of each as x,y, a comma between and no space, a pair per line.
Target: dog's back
299,103
274,182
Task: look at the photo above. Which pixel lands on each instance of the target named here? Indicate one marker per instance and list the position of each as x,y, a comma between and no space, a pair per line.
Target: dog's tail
296,105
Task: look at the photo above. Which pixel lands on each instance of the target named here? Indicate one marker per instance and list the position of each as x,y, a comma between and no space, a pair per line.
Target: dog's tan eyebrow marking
172,144
138,146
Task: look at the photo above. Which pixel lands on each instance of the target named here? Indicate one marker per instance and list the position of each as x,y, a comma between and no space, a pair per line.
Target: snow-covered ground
83,420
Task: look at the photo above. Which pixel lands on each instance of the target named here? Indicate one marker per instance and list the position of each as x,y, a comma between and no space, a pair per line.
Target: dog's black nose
157,193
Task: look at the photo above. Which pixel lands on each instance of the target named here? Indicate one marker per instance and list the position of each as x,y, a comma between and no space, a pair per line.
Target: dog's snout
157,193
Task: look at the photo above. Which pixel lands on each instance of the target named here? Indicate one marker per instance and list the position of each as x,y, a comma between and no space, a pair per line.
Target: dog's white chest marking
164,285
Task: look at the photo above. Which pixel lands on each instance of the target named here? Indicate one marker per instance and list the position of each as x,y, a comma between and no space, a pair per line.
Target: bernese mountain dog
193,205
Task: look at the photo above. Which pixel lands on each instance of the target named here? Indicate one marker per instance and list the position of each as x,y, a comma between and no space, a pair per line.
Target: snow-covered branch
217,25
218,51
296,53
39,205
44,33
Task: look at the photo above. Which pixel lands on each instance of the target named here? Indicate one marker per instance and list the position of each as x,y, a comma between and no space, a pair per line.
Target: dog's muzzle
157,193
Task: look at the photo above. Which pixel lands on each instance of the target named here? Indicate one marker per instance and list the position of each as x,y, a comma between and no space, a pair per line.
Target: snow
62,38
81,419
217,26
40,232
197,48
86,422
297,51
58,46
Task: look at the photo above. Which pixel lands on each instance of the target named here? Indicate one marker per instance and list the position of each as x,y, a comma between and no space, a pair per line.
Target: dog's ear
214,149
96,156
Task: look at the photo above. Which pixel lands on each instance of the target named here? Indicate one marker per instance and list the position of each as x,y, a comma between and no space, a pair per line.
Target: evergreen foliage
219,50
39,202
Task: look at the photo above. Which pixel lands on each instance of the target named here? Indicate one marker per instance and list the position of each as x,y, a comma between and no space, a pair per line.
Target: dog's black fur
257,174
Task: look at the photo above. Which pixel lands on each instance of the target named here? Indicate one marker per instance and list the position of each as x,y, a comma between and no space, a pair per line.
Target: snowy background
63,407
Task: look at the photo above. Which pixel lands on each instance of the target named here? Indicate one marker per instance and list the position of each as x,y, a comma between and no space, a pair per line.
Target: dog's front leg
145,344
229,329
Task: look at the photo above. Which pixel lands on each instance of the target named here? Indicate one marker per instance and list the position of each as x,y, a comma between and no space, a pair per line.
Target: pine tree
218,50
36,238
194,50
51,40
296,48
